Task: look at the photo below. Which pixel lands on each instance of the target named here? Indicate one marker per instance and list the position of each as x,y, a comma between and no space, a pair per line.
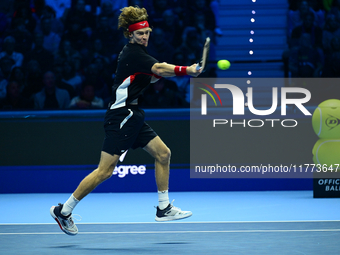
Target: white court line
176,222
183,232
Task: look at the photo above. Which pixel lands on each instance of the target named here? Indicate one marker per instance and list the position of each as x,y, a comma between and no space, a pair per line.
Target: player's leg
103,172
62,213
161,153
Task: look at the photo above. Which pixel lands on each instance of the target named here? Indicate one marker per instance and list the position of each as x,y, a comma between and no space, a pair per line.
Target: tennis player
124,121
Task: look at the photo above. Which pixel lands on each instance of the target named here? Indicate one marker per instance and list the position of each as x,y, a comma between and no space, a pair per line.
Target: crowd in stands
62,54
313,37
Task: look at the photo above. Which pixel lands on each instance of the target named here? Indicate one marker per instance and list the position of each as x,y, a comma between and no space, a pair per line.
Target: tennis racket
205,55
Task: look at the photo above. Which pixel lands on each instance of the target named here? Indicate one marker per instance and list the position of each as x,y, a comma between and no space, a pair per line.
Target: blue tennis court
281,222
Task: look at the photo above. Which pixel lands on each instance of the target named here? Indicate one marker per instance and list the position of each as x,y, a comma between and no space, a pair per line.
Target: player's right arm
169,70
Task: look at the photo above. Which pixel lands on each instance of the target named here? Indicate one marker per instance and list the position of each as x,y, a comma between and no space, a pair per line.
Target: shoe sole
168,218
59,223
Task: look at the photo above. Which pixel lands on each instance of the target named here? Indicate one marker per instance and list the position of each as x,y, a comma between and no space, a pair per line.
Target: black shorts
124,129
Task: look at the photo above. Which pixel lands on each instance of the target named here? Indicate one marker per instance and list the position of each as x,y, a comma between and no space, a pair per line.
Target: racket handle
198,67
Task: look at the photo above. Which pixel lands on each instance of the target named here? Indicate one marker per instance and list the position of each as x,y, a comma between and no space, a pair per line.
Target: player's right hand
191,70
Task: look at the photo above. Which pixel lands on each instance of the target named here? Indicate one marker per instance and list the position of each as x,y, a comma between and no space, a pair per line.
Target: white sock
163,199
69,206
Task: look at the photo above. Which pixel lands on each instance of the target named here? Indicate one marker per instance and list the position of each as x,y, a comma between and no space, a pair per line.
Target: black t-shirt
133,74
51,102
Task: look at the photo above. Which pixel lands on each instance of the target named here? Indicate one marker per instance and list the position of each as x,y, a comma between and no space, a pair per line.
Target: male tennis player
124,122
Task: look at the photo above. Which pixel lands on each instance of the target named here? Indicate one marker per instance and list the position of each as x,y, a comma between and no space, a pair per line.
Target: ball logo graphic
332,122
326,119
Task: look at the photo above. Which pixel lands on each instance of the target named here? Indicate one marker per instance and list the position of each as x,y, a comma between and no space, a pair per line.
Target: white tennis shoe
171,213
65,223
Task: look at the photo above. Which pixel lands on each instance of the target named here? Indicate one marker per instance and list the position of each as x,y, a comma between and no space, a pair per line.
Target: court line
176,222
182,232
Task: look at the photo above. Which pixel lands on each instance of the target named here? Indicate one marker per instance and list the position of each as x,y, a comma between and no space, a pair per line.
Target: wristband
157,76
180,70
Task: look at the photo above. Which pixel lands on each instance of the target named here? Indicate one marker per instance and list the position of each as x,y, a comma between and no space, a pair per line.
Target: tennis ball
326,119
327,151
223,64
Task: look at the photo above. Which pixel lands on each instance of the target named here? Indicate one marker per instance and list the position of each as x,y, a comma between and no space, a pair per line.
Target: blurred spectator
111,38
76,35
3,83
57,26
156,13
87,19
192,45
51,39
332,60
13,100
162,94
24,12
196,6
183,82
119,4
83,48
98,51
159,47
70,77
327,4
179,7
8,50
37,8
296,17
307,27
335,9
7,9
87,99
58,73
18,75
22,36
215,7
331,30
305,60
104,70
78,62
317,5
66,52
172,28
201,28
60,6
4,25
44,57
111,14
51,97
139,3
34,80
6,65
92,76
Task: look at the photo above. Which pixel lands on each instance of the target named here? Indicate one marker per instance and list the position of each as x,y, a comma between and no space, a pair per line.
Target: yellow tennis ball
327,151
223,64
326,119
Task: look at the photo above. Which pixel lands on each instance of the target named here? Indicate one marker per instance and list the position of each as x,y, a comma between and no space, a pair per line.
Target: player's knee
164,156
104,174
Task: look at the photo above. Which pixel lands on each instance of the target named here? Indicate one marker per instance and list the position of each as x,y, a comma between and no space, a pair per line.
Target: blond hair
131,15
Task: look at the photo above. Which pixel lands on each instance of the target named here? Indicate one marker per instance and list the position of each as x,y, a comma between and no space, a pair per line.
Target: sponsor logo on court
123,170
